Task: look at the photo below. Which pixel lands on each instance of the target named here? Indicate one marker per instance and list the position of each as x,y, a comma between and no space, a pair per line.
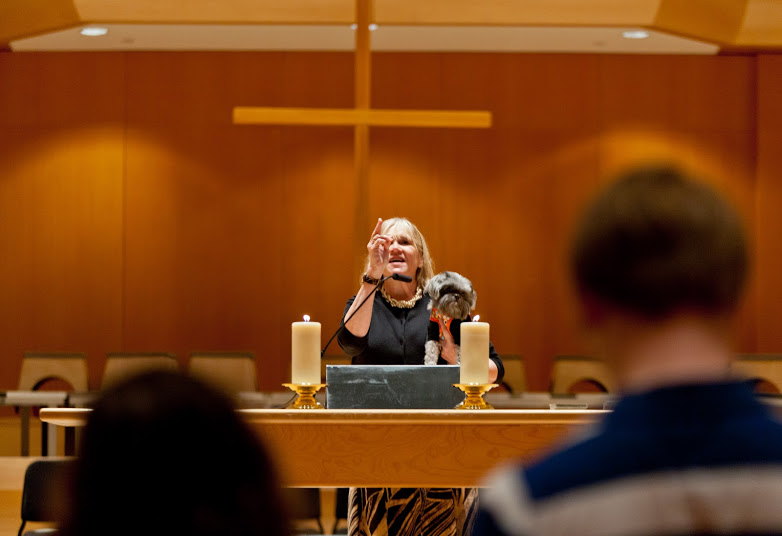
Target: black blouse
396,336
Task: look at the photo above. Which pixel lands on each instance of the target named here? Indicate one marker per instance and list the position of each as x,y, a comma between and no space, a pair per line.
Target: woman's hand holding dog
449,348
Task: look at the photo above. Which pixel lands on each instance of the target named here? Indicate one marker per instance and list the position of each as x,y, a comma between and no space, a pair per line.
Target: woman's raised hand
379,248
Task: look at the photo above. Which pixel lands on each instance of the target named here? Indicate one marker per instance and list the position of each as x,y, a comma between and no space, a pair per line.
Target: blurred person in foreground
164,454
659,262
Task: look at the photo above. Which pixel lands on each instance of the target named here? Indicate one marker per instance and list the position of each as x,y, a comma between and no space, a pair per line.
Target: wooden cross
362,116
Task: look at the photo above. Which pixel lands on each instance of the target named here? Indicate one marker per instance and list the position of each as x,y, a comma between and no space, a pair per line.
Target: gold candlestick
474,392
305,398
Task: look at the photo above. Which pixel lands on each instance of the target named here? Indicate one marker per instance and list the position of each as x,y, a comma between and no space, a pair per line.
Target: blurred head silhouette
657,242
659,261
163,453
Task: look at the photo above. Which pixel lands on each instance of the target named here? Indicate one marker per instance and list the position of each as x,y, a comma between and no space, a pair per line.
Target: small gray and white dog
452,299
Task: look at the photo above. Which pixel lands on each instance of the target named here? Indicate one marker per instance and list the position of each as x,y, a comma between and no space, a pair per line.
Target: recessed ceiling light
94,31
372,27
635,34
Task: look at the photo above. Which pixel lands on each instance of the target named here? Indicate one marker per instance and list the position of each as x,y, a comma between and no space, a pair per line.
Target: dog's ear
431,290
473,298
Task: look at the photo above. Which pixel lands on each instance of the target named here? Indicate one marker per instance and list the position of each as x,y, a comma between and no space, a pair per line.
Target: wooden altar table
394,448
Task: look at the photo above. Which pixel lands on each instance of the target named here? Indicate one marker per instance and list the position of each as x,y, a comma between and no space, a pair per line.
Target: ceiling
385,38
675,26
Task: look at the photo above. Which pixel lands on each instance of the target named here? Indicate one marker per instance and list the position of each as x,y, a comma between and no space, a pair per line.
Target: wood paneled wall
135,216
768,198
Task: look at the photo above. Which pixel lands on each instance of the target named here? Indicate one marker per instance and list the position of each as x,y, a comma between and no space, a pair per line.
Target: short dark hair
656,242
164,453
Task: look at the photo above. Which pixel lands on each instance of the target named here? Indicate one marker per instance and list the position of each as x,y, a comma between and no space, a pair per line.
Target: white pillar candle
305,352
474,352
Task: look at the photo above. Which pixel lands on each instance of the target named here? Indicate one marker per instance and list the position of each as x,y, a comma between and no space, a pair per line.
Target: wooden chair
122,365
515,376
759,367
38,368
569,370
233,372
44,493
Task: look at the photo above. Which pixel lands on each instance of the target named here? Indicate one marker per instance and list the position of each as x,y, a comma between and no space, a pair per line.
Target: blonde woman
391,329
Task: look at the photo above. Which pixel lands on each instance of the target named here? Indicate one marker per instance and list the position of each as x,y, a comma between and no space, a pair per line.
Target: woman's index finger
376,231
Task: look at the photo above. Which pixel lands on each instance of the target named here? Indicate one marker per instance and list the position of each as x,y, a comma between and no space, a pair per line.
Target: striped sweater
697,459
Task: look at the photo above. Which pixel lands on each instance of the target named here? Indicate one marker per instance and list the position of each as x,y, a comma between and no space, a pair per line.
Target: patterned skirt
411,511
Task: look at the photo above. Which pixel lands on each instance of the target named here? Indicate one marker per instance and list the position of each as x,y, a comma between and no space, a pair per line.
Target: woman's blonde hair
402,227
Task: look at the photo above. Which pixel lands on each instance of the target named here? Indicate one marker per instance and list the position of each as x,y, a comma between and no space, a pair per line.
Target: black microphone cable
396,277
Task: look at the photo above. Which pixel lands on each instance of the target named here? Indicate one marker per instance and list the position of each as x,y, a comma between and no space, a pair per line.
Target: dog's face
451,294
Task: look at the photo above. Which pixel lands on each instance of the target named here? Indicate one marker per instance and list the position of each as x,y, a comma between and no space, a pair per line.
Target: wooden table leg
24,413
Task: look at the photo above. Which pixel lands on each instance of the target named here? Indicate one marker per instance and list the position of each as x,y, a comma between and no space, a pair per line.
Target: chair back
515,376
45,491
233,372
759,368
123,365
569,370
39,367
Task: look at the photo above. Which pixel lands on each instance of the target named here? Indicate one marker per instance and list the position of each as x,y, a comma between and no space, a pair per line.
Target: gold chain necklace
402,304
